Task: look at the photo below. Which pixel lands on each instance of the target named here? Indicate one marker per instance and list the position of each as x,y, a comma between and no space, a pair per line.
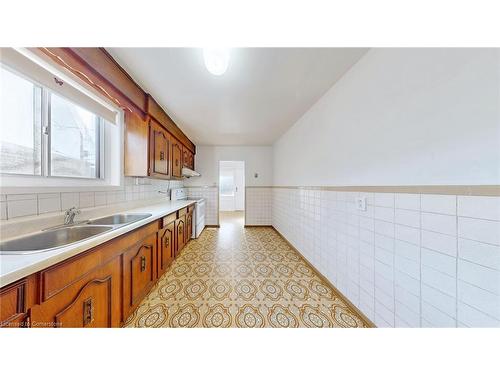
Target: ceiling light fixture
216,60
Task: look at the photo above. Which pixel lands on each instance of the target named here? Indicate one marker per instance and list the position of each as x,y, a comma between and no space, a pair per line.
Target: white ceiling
263,92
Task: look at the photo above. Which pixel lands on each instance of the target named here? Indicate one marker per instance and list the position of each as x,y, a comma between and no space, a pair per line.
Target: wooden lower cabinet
189,226
92,301
102,286
139,272
180,234
13,305
165,248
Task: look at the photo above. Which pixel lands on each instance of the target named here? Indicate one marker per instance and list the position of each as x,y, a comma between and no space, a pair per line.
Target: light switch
361,203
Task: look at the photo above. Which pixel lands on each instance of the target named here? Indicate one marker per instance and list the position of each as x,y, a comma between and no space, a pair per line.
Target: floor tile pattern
242,277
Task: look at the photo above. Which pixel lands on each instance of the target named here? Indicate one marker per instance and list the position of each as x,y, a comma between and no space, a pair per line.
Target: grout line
482,312
476,286
437,308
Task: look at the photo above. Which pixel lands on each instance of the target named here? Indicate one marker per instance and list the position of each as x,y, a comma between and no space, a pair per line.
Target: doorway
231,192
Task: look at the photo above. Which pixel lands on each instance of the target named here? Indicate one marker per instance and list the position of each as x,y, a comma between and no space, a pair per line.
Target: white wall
401,117
258,159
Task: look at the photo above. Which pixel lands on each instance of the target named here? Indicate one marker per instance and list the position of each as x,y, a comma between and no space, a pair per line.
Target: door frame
244,188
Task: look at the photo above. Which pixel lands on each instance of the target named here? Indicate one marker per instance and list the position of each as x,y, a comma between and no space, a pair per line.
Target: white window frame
47,138
110,156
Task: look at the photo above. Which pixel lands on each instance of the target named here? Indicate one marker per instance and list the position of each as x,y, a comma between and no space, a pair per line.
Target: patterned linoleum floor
242,277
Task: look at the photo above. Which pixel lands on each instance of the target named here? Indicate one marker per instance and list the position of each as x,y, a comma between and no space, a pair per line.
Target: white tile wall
211,195
258,205
17,205
409,260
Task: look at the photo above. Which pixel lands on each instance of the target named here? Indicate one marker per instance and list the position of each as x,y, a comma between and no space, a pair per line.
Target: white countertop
16,266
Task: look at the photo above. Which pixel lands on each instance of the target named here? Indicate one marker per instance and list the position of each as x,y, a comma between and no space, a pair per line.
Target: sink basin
119,219
51,239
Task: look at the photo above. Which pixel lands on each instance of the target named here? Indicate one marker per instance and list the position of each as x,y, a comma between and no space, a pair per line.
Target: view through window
66,144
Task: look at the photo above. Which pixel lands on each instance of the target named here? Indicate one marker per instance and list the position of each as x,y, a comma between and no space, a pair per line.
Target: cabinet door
185,158
136,138
189,226
165,248
139,264
180,233
12,304
191,160
160,151
176,158
93,301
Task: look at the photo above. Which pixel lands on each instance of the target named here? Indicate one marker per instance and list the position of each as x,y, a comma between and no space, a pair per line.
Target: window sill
34,184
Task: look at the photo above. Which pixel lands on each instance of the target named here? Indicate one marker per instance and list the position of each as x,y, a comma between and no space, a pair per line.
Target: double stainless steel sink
55,238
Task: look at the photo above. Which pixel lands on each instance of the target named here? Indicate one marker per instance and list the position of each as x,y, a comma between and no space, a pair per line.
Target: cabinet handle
162,155
143,264
88,311
176,162
167,241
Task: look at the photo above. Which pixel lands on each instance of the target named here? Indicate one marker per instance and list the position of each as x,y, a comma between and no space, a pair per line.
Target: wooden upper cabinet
136,145
96,68
154,110
187,158
176,158
191,160
159,151
106,66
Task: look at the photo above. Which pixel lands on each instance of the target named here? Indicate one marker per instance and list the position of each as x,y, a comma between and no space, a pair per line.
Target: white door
227,186
239,194
231,186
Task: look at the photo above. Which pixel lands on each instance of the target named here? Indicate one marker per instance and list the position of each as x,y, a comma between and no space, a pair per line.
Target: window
45,134
74,140
227,183
20,129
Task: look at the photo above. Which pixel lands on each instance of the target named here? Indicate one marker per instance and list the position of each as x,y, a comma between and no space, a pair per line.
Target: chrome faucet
69,215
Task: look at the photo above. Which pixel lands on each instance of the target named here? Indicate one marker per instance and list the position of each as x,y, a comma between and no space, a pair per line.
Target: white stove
199,209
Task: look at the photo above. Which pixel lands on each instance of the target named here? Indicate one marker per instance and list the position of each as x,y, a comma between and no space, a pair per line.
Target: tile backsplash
20,205
211,195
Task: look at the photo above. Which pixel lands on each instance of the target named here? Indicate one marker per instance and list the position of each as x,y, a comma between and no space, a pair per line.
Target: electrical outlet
361,203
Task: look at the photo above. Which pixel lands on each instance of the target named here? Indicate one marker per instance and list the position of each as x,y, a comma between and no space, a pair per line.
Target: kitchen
249,187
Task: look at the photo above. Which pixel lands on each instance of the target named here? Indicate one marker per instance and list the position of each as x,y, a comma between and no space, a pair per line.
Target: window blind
47,75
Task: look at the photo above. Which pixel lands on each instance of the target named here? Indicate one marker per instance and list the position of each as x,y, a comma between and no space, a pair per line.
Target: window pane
20,125
73,139
226,184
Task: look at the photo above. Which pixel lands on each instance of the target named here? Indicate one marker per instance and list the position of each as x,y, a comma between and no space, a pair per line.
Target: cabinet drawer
169,219
61,275
57,277
182,212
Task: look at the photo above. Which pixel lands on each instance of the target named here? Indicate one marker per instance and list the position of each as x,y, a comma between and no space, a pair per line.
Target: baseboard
368,322
258,226
213,226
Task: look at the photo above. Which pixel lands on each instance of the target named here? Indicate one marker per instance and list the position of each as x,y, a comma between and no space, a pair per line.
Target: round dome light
216,60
